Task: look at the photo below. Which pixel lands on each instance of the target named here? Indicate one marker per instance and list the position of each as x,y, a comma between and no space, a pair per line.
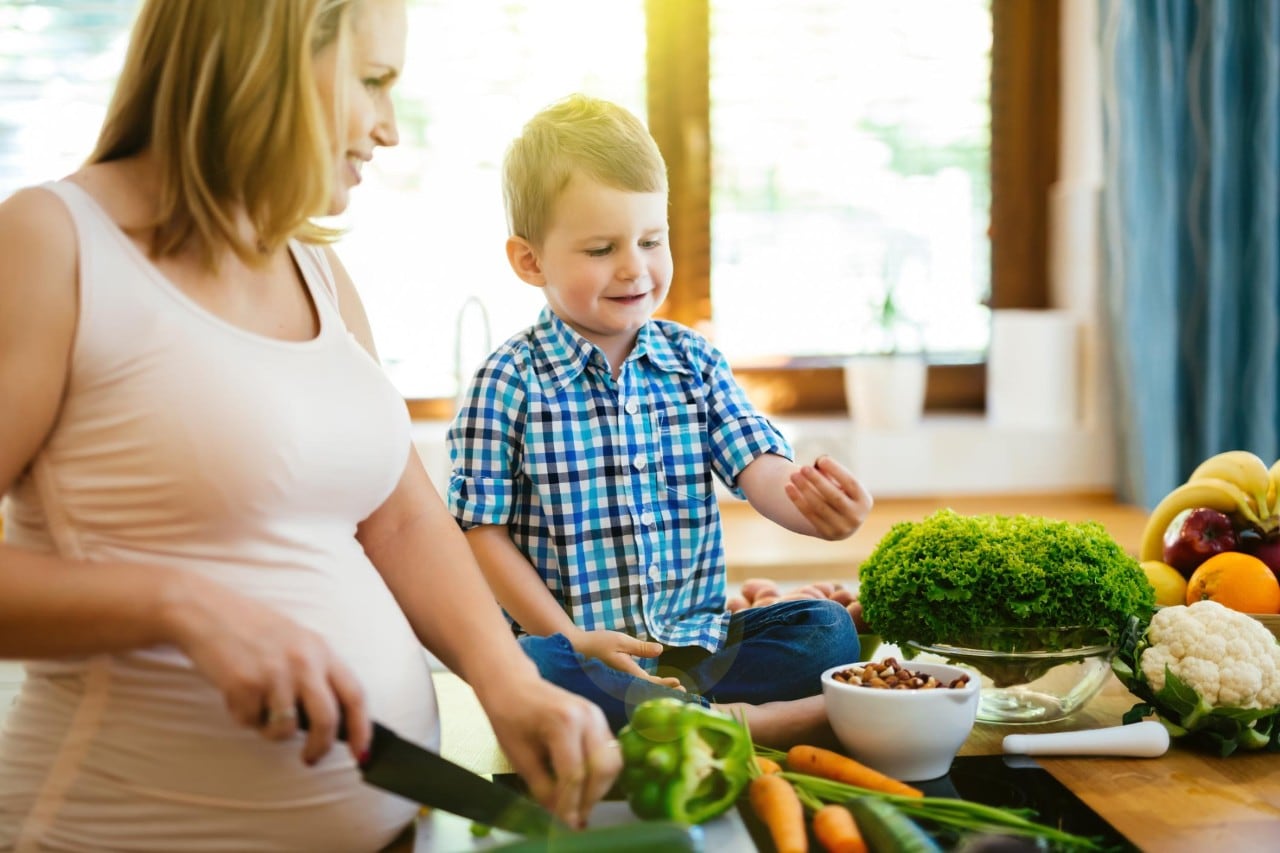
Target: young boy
584,453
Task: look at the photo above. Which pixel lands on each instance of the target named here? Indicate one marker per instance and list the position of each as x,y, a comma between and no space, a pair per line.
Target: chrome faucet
460,377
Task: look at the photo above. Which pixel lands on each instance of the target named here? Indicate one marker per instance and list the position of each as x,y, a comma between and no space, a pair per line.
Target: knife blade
416,773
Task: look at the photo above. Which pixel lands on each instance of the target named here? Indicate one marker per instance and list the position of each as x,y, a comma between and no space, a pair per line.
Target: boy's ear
524,261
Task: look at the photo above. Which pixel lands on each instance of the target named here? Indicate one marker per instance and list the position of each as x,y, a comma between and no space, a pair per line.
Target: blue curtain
1191,235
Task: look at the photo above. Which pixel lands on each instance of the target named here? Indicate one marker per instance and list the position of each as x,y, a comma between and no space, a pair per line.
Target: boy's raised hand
620,651
831,499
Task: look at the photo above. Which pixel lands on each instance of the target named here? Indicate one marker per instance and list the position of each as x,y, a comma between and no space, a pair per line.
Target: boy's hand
620,651
830,498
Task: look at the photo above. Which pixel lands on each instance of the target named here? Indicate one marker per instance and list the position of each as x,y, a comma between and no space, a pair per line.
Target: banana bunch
1235,482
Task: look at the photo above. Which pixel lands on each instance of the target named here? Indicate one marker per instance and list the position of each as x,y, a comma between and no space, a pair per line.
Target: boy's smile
605,264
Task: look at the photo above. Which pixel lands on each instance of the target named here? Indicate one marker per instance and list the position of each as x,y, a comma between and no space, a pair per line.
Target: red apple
1195,535
1266,548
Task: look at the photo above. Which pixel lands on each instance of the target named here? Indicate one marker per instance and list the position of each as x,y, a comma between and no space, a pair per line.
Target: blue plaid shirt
605,485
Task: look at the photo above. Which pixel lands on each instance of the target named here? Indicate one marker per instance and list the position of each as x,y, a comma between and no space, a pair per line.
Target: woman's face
361,88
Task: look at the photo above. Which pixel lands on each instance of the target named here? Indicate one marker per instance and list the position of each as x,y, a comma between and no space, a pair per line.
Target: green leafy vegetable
951,578
683,762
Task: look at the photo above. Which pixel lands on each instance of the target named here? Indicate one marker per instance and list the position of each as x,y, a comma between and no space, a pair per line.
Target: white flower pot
885,391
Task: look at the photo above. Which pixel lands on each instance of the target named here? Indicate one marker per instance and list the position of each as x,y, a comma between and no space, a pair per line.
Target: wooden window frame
1024,144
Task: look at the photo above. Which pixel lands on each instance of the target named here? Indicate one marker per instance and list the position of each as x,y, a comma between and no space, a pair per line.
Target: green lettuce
952,578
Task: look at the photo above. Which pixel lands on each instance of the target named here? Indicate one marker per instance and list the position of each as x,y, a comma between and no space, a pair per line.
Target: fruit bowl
1270,622
1029,675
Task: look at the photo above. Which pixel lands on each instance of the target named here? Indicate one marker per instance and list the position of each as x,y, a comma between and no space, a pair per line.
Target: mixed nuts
888,674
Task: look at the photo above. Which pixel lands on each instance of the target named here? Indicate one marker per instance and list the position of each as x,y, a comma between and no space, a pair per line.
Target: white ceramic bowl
911,735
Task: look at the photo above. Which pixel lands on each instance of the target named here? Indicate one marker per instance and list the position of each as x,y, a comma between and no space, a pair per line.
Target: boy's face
605,263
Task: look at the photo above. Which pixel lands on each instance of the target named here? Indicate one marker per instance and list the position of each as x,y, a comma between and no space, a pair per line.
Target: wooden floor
755,547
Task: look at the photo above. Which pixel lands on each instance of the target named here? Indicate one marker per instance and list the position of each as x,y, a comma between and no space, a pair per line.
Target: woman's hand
620,651
831,499
558,742
266,665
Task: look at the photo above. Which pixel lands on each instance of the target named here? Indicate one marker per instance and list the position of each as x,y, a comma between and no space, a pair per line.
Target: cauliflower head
1228,657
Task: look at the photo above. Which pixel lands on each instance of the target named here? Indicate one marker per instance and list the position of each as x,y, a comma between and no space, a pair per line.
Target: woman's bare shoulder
36,206
36,229
38,243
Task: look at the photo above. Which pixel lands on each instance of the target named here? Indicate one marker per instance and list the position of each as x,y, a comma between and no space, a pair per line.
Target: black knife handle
303,721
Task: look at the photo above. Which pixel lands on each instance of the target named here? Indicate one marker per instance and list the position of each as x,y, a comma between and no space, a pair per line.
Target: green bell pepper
683,762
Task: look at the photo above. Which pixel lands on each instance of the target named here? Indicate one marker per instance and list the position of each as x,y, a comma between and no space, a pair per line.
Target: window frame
1024,130
1025,86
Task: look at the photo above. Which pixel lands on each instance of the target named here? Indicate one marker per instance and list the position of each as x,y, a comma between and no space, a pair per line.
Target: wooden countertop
755,547
1185,800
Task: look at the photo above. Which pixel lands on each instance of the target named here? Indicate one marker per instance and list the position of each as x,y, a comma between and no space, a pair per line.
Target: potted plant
884,386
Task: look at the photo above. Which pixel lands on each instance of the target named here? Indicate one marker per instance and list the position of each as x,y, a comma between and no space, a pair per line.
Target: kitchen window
757,89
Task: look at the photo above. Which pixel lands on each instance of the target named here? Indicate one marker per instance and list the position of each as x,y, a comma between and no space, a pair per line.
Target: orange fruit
1237,580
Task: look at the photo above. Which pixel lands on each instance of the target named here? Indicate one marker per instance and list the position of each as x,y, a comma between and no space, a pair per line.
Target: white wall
945,454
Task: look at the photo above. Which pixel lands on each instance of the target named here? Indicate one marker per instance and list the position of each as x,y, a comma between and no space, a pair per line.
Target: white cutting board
440,832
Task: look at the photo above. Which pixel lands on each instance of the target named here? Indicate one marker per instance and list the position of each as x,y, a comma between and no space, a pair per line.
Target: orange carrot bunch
856,808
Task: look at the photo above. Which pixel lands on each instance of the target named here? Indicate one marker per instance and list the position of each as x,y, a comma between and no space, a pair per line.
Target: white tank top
187,442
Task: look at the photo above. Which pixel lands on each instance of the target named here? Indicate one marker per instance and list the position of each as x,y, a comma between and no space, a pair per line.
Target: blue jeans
773,653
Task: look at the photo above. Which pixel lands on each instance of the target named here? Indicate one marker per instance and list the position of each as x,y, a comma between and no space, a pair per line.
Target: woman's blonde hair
224,95
577,134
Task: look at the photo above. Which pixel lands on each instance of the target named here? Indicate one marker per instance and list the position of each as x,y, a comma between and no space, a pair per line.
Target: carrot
841,768
767,765
776,804
837,831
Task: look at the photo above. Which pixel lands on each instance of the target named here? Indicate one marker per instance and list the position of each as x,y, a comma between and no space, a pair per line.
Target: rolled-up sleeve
738,432
484,442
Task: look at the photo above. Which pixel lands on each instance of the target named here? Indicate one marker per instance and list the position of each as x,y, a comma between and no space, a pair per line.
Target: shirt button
653,573
639,461
632,406
646,518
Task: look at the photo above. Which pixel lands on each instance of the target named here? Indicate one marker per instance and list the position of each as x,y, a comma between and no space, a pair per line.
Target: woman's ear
524,261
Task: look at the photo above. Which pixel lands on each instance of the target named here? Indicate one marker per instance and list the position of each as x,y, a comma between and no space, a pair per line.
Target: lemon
1168,582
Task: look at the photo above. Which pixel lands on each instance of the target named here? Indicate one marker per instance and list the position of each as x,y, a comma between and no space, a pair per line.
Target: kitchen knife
408,770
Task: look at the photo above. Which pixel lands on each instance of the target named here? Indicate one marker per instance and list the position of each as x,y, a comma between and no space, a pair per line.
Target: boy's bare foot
782,725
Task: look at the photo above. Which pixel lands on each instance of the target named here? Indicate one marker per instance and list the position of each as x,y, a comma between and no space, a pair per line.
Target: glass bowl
1029,675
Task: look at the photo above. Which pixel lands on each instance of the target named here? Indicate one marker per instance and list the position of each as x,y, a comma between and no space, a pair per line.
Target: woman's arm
37,323
822,499
50,606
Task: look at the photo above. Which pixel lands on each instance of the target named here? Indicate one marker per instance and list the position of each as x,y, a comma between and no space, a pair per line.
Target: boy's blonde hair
577,134
224,95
